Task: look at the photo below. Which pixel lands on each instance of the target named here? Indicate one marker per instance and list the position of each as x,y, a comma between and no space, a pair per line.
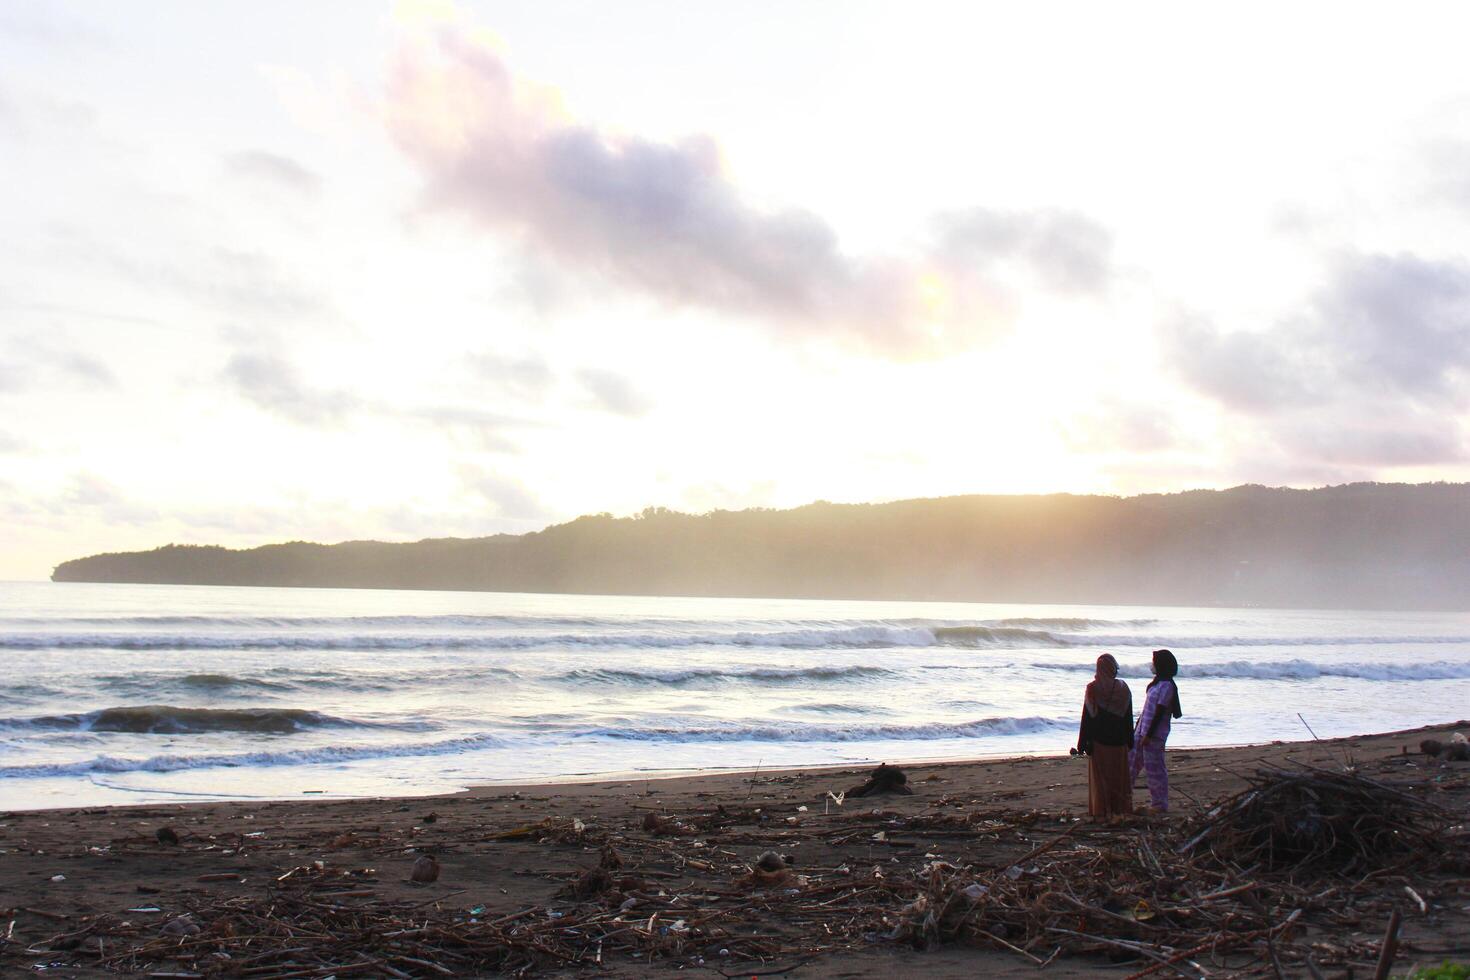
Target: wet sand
505,850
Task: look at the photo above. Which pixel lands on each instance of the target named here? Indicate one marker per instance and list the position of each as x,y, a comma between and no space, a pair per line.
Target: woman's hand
1144,742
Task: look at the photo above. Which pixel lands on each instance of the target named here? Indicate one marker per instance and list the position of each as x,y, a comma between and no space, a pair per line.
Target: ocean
116,694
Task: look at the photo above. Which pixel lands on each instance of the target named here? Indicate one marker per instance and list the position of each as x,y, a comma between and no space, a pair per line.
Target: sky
334,271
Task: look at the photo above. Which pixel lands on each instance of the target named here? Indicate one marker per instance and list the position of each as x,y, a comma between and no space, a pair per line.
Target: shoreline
508,848
629,776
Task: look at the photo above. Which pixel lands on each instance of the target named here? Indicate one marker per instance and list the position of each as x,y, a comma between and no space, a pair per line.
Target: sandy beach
87,892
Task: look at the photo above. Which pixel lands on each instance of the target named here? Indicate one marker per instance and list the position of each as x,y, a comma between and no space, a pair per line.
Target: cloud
12,377
1111,425
527,377
510,496
36,22
270,382
486,429
1066,251
1244,371
613,392
282,171
1446,163
234,281
33,358
1373,372
1399,324
259,373
667,220
83,366
91,493
10,444
32,113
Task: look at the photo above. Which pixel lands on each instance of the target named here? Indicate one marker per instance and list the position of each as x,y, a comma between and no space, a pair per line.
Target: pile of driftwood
1232,890
1314,820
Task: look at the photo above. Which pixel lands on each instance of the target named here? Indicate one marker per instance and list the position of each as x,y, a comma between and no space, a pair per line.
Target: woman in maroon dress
1105,736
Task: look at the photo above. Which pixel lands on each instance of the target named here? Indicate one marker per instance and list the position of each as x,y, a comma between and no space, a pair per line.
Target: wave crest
164,719
716,675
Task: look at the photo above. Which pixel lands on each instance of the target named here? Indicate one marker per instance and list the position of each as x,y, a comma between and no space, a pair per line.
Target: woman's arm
1156,699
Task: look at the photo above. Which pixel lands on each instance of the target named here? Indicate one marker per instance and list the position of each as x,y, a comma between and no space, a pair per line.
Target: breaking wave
986,727
714,675
296,757
189,682
832,733
1069,622
162,719
1064,633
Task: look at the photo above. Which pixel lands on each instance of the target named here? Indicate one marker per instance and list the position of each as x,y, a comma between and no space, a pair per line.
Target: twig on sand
753,777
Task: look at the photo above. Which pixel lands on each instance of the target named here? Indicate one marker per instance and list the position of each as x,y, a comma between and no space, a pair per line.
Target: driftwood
1336,820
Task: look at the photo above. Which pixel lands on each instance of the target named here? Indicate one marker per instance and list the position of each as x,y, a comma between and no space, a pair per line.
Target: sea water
136,693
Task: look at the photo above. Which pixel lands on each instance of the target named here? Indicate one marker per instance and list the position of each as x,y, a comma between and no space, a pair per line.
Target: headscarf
1165,667
1106,691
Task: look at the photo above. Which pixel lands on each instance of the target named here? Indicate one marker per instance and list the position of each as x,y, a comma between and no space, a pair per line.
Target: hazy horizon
420,269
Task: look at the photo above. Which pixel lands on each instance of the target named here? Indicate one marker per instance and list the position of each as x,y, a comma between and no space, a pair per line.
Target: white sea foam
163,719
833,733
677,677
290,757
864,636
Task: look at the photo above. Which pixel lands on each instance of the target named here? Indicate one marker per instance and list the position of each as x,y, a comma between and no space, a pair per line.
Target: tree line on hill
1366,545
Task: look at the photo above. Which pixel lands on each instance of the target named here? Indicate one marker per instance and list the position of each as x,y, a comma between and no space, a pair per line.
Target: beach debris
589,884
1455,750
183,925
425,869
769,870
770,861
1184,897
168,836
884,779
430,817
1335,820
662,826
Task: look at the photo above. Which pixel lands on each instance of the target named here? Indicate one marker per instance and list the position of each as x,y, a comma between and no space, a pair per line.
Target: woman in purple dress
1160,704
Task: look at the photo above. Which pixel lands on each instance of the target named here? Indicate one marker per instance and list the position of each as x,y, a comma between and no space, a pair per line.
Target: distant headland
1364,545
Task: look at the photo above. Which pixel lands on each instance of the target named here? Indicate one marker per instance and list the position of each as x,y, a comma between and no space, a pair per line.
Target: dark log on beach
884,779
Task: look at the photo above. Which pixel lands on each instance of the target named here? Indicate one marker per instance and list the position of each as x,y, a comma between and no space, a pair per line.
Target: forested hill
1379,546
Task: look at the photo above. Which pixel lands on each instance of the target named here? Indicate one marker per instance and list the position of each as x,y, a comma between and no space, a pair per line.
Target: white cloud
668,219
613,392
1372,372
